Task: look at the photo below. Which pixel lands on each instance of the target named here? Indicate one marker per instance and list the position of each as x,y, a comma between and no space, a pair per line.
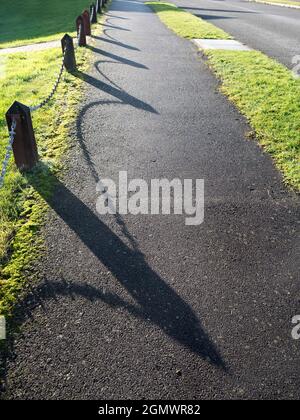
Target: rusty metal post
87,23
93,13
81,31
68,49
24,145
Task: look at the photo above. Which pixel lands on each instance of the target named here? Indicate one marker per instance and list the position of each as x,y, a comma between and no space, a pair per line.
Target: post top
17,108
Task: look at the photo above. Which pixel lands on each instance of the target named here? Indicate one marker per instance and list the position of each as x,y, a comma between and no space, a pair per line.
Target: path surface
273,30
143,306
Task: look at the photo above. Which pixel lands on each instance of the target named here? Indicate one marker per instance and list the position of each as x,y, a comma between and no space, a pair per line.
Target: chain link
49,97
12,134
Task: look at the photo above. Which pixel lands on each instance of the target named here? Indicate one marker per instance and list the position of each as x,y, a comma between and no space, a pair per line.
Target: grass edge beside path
185,24
265,92
23,206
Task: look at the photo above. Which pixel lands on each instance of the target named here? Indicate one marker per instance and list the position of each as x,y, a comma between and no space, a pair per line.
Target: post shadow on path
156,302
116,17
123,98
90,163
119,28
117,58
122,95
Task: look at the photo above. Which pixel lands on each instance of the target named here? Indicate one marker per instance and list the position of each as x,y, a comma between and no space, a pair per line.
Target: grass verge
32,21
28,78
185,24
266,92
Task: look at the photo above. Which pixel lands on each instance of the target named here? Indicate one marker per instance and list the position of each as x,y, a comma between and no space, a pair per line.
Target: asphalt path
145,306
273,30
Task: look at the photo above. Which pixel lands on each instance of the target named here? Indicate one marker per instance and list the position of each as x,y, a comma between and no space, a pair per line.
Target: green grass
267,93
29,21
185,24
28,77
292,3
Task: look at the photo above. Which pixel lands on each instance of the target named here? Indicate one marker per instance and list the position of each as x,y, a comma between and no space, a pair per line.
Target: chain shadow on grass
156,302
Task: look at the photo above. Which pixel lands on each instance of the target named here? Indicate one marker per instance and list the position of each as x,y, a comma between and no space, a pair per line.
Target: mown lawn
29,77
266,92
27,21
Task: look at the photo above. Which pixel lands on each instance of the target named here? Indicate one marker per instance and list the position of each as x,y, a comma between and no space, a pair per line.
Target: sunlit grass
266,92
29,78
288,2
185,24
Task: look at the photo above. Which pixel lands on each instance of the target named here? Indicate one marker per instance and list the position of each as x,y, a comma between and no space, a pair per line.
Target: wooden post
93,13
87,23
68,49
24,145
81,31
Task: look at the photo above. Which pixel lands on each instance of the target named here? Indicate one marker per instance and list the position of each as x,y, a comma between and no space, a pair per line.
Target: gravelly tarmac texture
274,30
144,306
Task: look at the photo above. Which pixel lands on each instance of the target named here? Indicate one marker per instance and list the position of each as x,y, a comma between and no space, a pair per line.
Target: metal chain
12,134
45,101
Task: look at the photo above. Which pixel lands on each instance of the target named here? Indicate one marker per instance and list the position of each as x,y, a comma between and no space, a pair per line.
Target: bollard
68,49
93,13
80,31
87,23
24,145
98,6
